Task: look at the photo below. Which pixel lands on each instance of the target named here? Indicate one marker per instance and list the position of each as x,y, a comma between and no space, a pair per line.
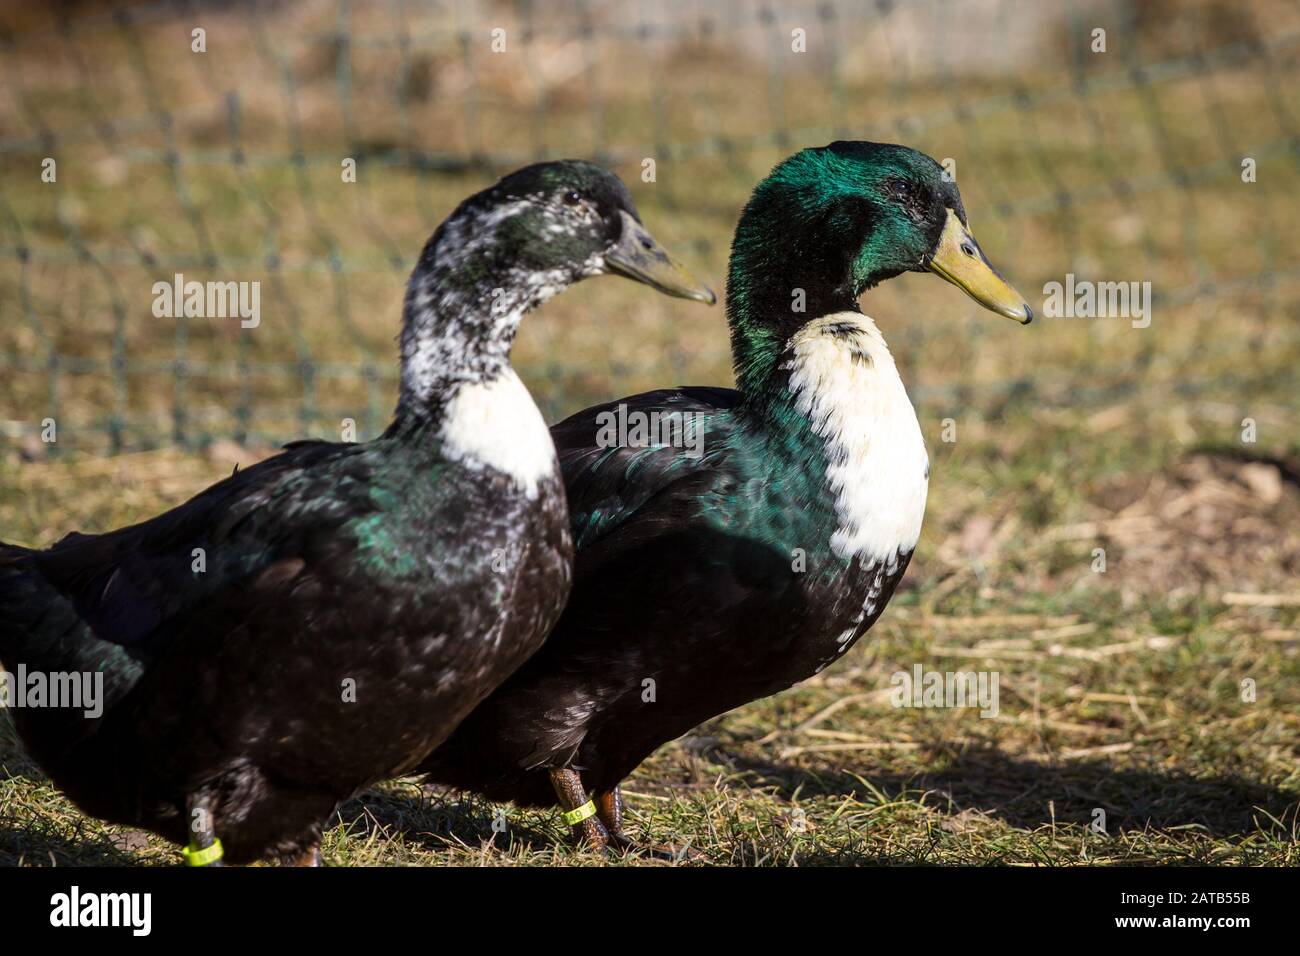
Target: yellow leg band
196,857
574,817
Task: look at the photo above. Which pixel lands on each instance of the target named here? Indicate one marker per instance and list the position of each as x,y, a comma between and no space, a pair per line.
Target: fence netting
213,141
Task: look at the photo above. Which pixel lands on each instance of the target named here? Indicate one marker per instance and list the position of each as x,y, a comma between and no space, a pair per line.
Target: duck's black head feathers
555,216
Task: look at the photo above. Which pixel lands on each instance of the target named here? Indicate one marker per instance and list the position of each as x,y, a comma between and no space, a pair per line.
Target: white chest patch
497,424
845,381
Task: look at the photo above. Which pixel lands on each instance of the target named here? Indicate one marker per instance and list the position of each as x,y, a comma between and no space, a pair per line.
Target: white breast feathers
497,424
845,381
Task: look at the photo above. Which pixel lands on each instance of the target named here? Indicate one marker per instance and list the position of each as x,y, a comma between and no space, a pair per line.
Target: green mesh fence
1164,149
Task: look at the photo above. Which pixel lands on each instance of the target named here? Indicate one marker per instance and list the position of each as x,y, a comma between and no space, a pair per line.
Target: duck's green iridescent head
829,223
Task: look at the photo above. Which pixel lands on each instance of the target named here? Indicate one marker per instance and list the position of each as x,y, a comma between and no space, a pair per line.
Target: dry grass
1119,691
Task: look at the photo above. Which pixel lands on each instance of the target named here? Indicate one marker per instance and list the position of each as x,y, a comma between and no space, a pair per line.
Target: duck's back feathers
129,584
609,479
115,603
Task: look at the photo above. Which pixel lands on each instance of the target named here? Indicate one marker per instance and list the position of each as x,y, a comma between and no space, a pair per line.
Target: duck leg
579,812
204,848
308,857
609,809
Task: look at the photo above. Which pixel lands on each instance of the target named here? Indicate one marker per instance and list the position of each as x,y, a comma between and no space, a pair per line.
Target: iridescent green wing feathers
609,481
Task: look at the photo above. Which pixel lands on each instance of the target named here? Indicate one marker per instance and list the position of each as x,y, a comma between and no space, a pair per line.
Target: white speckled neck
464,303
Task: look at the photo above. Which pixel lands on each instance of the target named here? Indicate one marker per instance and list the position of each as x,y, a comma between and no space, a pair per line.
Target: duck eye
912,197
572,198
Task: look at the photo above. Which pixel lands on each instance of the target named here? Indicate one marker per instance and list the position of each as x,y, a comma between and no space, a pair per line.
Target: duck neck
775,284
821,393
463,305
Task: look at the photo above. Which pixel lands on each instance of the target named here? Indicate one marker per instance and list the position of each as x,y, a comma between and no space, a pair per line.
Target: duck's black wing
667,535
608,482
108,602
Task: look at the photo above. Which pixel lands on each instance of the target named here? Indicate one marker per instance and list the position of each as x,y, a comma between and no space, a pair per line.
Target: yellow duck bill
959,259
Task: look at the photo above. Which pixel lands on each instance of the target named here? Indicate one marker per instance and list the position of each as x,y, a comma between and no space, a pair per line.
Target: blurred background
225,165
1174,448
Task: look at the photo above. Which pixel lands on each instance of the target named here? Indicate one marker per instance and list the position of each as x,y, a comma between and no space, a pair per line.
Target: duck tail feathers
15,569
